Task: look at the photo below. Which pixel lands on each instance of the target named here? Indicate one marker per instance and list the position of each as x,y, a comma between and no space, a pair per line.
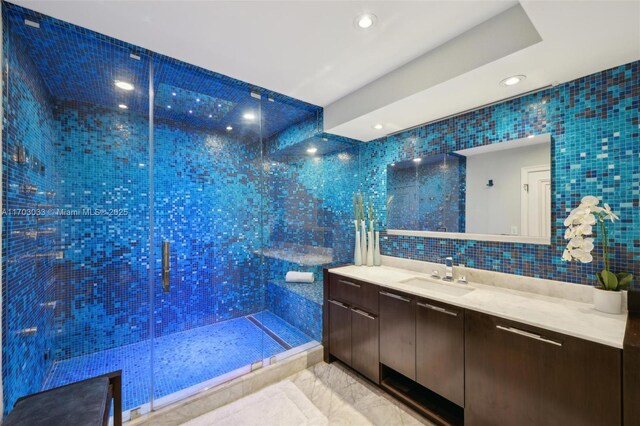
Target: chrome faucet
448,275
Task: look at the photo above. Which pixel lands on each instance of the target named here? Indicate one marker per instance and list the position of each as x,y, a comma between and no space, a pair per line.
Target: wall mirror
497,192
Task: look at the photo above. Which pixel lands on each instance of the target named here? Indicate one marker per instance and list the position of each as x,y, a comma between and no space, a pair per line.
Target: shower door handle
166,266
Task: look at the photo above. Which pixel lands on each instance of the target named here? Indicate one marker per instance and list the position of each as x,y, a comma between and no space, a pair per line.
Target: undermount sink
445,288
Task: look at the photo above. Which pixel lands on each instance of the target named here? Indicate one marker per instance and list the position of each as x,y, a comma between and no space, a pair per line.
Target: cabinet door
364,344
398,333
517,374
503,377
340,331
582,382
440,349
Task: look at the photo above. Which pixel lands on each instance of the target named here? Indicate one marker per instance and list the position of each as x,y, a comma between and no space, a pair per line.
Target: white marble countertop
564,316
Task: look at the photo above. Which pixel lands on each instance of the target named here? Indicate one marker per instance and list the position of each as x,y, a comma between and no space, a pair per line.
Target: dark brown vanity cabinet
440,349
398,332
340,331
353,325
520,375
364,344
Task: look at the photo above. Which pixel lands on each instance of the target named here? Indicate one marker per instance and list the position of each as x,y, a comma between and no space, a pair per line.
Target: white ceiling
310,49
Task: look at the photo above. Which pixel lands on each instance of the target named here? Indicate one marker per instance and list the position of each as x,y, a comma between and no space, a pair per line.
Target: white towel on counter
299,277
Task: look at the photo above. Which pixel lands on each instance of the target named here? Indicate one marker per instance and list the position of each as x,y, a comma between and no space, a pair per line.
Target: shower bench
87,402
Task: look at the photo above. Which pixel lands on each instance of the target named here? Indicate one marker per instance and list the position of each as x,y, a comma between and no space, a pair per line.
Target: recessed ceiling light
365,21
312,150
168,106
513,80
122,106
124,85
378,126
197,99
190,112
393,164
417,160
249,116
173,94
210,116
219,105
229,128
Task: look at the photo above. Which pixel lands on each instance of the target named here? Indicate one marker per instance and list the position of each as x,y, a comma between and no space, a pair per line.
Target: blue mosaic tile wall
29,186
594,124
300,304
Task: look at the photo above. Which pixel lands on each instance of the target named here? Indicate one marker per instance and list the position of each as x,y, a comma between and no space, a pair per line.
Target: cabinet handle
363,313
438,308
349,283
527,334
395,296
342,305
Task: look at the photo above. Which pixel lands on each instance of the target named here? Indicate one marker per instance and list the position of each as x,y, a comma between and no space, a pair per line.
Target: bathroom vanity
475,354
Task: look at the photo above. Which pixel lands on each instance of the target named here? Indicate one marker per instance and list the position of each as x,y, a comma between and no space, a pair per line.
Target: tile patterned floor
341,396
282,404
181,359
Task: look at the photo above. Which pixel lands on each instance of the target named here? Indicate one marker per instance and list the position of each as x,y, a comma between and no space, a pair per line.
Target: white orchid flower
569,233
580,223
609,214
585,229
589,201
582,255
587,245
575,242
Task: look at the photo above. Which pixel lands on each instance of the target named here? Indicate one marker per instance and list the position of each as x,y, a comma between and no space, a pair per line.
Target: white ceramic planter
607,301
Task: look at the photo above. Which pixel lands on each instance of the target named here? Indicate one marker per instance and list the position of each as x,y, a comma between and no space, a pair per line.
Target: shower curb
205,401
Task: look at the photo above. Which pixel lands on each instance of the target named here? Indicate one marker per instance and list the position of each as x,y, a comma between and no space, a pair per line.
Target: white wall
495,210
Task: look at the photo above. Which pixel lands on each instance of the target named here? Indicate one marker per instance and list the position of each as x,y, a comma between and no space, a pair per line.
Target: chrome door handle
527,334
166,267
395,296
349,283
342,305
438,309
363,313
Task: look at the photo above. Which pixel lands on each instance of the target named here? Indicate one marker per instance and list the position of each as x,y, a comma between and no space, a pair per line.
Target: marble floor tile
282,404
339,395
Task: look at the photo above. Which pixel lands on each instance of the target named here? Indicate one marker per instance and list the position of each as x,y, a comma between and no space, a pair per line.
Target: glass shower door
75,181
207,192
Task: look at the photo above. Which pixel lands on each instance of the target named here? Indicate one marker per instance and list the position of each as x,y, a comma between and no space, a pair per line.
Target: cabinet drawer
354,292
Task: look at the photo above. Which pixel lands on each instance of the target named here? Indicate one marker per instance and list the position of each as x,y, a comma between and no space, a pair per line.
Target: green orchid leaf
624,280
609,279
599,277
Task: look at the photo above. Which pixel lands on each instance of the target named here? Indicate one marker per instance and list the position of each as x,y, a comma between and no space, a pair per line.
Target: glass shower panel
75,186
207,186
296,233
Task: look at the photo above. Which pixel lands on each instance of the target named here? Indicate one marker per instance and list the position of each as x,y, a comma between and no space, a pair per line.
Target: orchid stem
605,242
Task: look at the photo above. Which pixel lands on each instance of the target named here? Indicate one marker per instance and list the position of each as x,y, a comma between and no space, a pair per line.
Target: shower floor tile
181,359
283,329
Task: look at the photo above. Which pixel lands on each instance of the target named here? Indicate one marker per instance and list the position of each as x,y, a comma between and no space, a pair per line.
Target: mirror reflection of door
535,201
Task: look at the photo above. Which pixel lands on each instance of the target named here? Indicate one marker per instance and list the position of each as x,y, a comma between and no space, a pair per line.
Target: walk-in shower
111,151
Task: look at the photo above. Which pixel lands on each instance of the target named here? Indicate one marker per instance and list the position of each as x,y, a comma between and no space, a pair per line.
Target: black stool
84,403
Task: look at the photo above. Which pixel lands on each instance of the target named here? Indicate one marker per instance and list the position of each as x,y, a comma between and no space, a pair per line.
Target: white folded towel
299,277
